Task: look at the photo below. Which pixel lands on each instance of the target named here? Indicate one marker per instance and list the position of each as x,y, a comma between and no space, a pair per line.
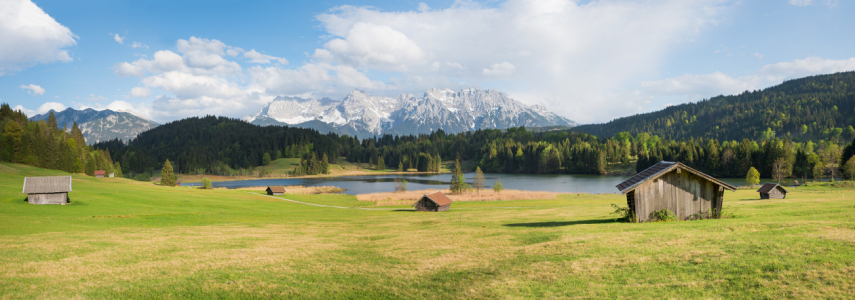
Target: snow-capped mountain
98,126
364,115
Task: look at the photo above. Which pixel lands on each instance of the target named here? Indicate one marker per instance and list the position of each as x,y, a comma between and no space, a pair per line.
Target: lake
561,183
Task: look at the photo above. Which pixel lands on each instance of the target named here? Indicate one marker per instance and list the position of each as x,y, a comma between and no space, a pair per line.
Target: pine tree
118,170
498,186
90,167
265,160
167,178
381,165
438,163
458,180
479,182
400,166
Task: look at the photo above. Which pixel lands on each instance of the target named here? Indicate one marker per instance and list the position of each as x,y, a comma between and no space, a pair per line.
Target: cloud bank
29,36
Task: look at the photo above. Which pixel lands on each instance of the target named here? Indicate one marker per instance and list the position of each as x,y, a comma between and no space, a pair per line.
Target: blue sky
591,61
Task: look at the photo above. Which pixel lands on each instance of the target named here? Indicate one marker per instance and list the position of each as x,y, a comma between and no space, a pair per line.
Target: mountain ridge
365,115
100,125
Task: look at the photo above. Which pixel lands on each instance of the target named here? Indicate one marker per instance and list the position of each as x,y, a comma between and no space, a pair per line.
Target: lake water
561,183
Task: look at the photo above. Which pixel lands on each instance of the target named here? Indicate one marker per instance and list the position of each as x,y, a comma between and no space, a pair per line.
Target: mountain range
98,126
363,115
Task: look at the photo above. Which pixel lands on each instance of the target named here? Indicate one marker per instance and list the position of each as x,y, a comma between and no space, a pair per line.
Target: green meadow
125,239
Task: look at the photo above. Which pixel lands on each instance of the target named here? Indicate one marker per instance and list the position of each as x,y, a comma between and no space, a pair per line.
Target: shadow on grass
407,210
559,224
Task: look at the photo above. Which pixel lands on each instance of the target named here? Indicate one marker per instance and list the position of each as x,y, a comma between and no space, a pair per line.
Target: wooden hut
674,186
436,201
47,190
100,173
275,190
112,175
772,191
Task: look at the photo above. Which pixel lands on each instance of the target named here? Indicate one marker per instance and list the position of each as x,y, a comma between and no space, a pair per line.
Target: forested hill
816,107
215,144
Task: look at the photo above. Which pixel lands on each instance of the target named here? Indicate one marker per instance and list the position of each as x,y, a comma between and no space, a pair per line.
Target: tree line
43,144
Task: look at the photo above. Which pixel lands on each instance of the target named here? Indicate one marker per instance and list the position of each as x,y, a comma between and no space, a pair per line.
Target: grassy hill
816,107
124,239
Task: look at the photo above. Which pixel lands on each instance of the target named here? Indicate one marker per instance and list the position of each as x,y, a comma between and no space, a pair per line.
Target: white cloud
829,3
33,89
96,98
29,36
45,108
691,87
500,69
138,45
576,55
377,47
758,55
119,39
423,7
140,92
28,112
258,58
806,67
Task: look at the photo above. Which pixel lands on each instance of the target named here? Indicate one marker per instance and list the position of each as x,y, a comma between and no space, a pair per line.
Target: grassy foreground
125,239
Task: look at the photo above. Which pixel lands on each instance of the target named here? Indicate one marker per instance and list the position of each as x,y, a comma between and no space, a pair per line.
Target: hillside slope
816,107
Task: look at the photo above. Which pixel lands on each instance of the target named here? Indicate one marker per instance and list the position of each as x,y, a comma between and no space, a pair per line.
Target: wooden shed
275,190
100,173
772,191
686,192
47,190
436,201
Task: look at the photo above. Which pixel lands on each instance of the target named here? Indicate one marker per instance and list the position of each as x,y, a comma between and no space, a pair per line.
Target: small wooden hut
436,201
112,175
772,191
100,173
47,190
674,186
275,190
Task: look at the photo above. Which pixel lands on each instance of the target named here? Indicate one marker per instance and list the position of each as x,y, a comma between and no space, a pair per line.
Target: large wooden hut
674,186
772,191
47,190
100,173
436,201
275,190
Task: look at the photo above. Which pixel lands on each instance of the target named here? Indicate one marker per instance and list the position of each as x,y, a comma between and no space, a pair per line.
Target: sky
590,61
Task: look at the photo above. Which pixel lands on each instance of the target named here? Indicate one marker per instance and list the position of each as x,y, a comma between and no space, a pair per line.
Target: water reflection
561,183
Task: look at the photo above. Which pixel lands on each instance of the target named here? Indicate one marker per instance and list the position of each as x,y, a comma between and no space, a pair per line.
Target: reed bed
409,197
299,189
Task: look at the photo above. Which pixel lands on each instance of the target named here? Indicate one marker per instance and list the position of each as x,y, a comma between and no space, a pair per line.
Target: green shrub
624,214
663,215
206,183
142,177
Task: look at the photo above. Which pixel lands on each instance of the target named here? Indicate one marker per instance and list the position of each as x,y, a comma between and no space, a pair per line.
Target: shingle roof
276,189
100,172
767,187
439,198
45,185
661,168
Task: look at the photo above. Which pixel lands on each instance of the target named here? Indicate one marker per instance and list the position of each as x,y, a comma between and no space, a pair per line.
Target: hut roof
661,168
276,189
768,187
439,198
46,185
100,172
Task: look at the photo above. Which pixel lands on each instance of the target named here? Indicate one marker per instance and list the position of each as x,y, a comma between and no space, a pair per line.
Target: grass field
125,239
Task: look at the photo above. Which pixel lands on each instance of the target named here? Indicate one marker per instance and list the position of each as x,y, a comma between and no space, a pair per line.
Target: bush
142,177
624,214
663,215
206,183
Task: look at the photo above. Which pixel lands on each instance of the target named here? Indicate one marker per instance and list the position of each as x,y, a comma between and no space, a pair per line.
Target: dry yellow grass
298,189
408,197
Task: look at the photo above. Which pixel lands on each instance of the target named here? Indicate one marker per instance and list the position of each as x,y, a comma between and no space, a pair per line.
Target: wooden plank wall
683,193
59,198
